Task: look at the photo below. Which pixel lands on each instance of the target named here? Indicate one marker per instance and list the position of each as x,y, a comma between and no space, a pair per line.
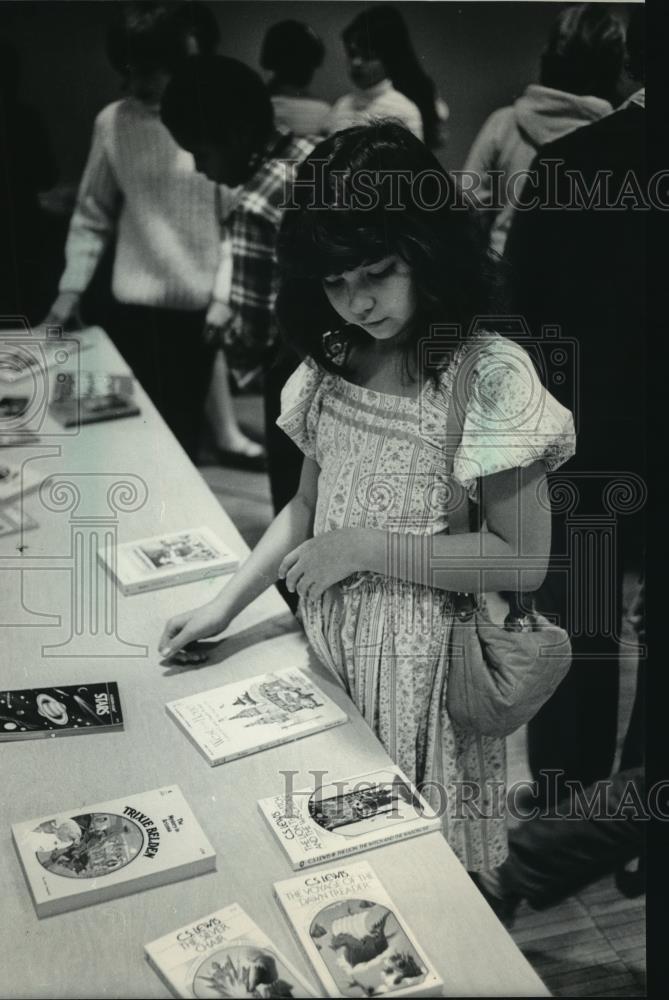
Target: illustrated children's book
16,480
246,716
88,397
14,519
314,825
92,853
224,955
69,710
167,560
354,936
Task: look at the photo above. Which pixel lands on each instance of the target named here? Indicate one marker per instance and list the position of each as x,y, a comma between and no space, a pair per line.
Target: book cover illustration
354,935
15,480
347,816
98,852
246,716
33,356
12,407
14,519
88,397
60,711
224,954
165,560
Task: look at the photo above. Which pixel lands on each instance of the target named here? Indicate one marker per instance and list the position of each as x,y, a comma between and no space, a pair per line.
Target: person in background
389,80
220,111
168,262
292,52
584,270
580,70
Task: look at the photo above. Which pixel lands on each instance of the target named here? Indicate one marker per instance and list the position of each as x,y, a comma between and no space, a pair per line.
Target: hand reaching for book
183,630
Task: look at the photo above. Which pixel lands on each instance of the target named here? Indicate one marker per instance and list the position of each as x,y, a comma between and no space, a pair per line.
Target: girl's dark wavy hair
324,232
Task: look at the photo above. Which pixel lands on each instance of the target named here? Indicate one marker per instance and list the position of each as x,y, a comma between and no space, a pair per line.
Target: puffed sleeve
300,406
510,419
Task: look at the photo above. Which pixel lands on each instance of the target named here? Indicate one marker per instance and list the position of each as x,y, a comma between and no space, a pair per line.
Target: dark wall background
480,55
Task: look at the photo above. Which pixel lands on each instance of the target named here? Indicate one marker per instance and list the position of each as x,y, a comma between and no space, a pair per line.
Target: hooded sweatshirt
508,143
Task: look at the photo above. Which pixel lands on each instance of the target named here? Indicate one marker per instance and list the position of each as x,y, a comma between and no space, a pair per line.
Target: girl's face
379,297
364,68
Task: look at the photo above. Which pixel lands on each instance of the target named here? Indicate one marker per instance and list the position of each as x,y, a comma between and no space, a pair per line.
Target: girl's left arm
511,555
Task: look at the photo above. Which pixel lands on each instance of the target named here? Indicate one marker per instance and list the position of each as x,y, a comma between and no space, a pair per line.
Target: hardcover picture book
88,397
14,519
354,936
347,816
16,480
224,955
69,710
246,716
167,560
91,853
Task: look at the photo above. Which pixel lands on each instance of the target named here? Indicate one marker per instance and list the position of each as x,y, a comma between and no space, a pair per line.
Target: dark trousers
166,351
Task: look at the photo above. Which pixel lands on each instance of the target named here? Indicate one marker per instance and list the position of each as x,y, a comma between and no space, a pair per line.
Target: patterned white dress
383,465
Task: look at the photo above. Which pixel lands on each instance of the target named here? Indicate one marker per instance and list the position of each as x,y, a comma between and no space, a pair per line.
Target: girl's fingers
293,576
287,561
171,630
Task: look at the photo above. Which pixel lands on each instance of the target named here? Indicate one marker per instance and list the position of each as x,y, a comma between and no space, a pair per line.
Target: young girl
365,542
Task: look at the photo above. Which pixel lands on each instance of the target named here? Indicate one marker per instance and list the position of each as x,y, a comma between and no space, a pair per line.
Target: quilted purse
501,672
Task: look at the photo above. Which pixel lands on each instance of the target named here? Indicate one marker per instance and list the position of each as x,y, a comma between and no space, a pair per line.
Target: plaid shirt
253,226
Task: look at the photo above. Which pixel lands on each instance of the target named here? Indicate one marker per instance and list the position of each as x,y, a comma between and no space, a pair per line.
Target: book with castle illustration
354,936
315,825
246,716
69,710
224,955
167,560
92,853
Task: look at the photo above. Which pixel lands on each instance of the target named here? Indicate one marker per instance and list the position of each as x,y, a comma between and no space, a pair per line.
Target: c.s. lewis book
246,716
92,853
88,397
354,936
224,955
315,825
167,560
68,710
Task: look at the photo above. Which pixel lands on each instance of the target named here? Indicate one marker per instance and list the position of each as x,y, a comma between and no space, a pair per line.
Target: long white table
60,626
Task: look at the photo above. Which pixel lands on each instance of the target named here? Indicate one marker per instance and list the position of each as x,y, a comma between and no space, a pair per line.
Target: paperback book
224,955
93,853
14,519
31,713
347,816
167,560
241,718
354,936
16,480
89,397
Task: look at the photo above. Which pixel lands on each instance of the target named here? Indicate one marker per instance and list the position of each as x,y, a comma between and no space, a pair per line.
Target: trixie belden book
224,955
246,716
69,710
167,560
354,935
88,397
315,825
92,853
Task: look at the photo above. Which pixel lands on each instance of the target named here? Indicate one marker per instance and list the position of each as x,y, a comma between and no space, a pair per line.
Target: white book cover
224,955
167,560
354,936
246,716
16,480
315,825
92,853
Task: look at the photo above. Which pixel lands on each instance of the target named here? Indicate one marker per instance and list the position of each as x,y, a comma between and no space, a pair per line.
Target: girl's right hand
188,627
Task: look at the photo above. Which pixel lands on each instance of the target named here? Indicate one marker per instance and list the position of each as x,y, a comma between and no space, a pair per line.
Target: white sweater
361,107
167,216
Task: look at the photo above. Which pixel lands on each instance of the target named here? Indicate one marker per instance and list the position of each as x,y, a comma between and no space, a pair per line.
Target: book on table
353,934
88,854
68,710
251,715
224,954
89,397
167,560
17,480
333,820
13,519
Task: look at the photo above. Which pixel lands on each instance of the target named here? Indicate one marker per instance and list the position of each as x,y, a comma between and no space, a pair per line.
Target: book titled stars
68,710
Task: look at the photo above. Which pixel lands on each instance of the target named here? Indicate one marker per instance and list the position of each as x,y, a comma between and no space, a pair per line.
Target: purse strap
467,516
